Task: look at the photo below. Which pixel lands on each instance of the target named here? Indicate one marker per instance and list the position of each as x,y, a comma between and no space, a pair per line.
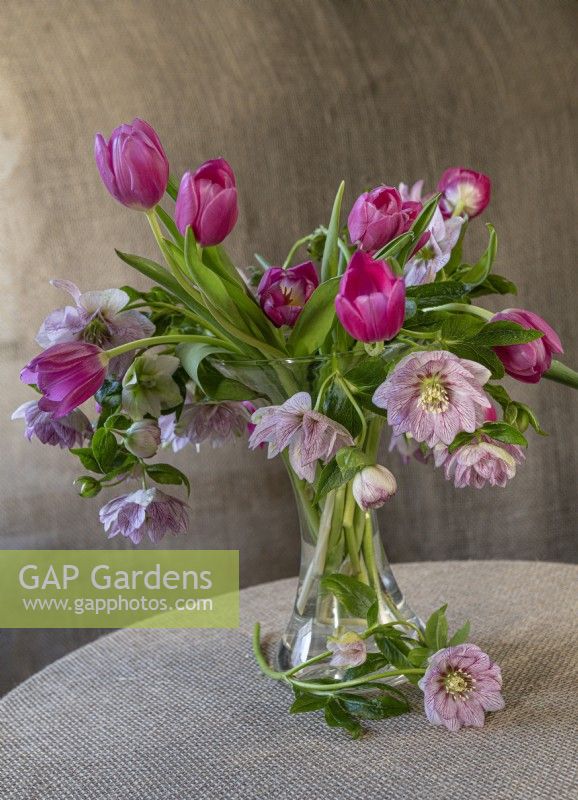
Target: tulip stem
420,334
562,374
299,243
465,308
174,338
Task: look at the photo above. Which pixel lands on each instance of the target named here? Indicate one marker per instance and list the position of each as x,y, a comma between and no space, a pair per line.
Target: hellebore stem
465,308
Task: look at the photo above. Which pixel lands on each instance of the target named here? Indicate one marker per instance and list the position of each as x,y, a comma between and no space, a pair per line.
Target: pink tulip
284,292
207,201
463,192
66,374
528,362
379,216
133,165
371,300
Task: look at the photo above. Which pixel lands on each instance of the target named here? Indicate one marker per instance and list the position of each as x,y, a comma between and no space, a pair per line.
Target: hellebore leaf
436,294
504,332
337,716
356,597
461,635
494,284
504,433
167,474
104,447
305,702
436,630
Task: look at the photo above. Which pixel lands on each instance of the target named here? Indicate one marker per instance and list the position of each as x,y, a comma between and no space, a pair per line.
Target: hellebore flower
434,396
373,486
435,253
66,374
207,201
148,386
146,512
97,318
143,438
349,650
379,216
309,435
370,303
199,422
133,165
463,192
480,462
460,684
284,292
528,362
69,431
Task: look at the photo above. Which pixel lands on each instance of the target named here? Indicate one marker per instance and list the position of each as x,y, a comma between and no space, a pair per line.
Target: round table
172,715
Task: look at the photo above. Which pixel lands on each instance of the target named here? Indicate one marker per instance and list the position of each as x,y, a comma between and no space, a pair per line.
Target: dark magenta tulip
463,192
207,202
528,362
371,300
284,292
133,165
379,216
66,374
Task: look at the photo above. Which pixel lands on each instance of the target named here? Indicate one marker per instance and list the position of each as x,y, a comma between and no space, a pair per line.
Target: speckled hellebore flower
309,435
216,422
407,448
379,216
143,438
133,165
98,318
434,396
528,362
66,374
349,650
370,303
148,386
146,512
69,431
479,462
460,684
373,486
435,253
207,202
463,192
284,292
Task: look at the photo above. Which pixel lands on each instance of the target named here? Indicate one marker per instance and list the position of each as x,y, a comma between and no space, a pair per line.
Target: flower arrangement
378,326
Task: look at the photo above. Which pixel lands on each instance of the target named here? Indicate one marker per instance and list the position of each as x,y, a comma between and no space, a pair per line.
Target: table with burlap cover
172,715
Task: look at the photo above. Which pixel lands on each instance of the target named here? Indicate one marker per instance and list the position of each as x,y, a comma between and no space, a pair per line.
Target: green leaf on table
504,433
356,597
436,630
104,448
394,650
494,284
167,474
374,662
330,258
461,635
474,276
305,702
379,707
503,332
337,716
315,321
418,656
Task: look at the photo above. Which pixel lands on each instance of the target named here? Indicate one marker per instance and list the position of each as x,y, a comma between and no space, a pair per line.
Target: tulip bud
207,202
284,292
463,192
528,362
372,486
380,215
143,438
349,650
371,300
133,165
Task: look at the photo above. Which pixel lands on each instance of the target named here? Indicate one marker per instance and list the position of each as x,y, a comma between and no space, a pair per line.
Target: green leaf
337,405
419,226
368,375
379,707
160,275
330,478
483,355
460,440
86,458
394,650
219,387
88,486
167,474
460,326
352,459
315,321
461,635
393,248
417,656
436,630
170,226
498,393
494,284
331,250
356,597
375,662
436,294
191,356
531,417
217,259
104,448
337,716
305,702
474,276
504,433
503,332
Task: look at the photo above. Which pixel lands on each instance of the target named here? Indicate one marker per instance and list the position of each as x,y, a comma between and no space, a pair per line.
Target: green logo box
119,588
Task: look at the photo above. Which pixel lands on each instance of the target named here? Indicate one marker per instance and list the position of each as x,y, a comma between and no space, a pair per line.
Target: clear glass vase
337,536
